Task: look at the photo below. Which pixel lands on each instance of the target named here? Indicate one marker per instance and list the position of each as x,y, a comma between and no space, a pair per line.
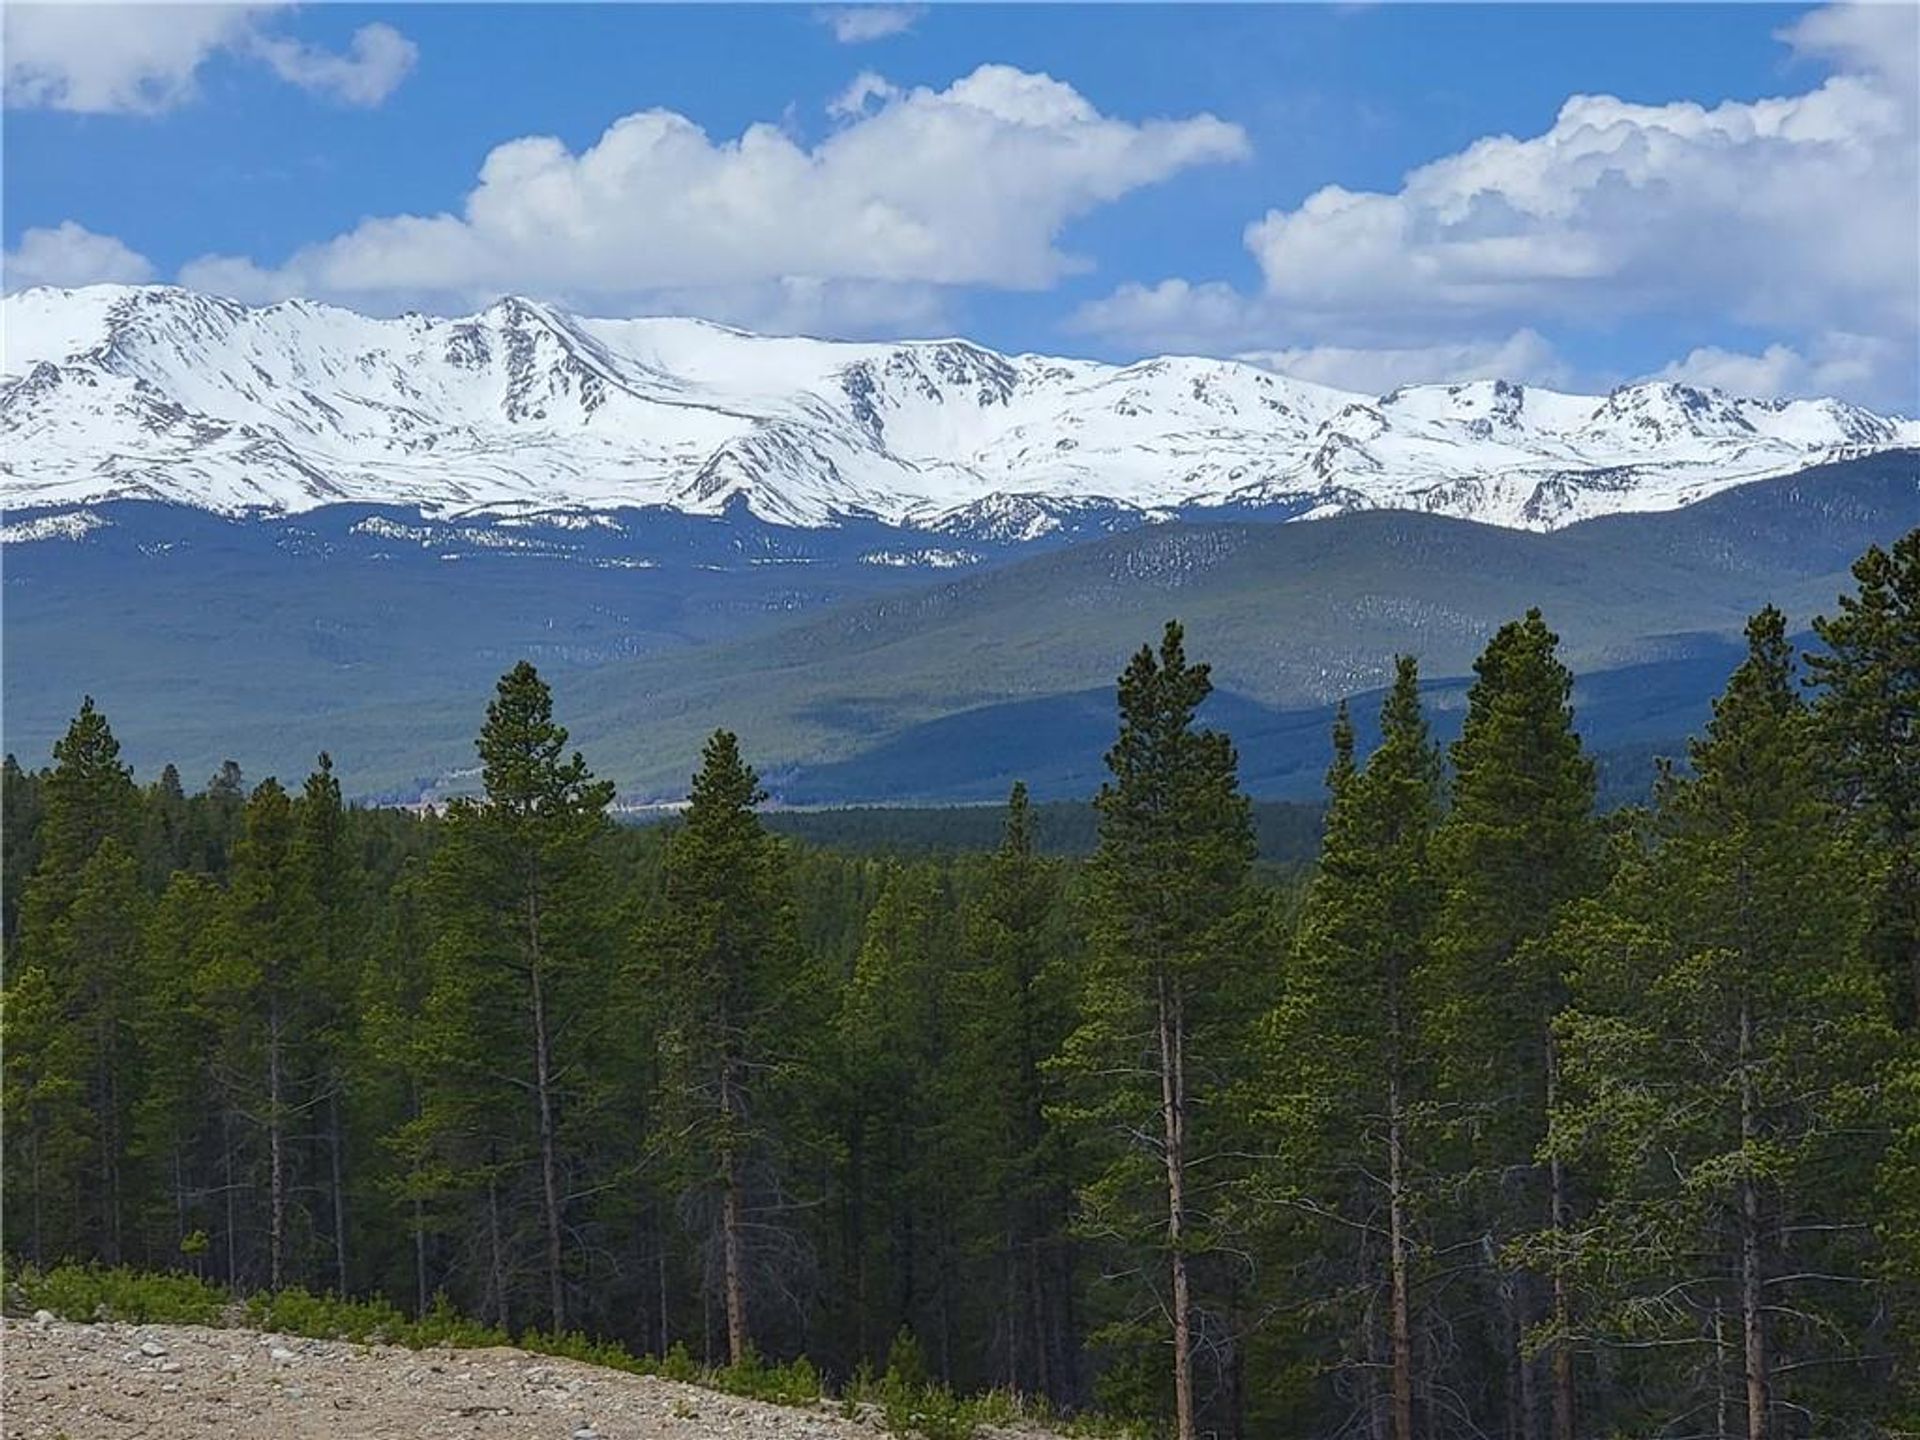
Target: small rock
586,1432
152,1349
42,1319
169,1367
280,1354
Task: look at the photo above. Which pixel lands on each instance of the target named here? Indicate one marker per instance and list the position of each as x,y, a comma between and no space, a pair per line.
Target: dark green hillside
856,682
1296,616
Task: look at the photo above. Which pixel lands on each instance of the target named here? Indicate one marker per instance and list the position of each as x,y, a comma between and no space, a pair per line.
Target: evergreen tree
71,1051
22,804
1724,1034
172,1138
1346,1082
90,798
523,960
727,965
1014,1009
252,991
896,1056
1166,1005
1869,716
1517,844
70,995
330,978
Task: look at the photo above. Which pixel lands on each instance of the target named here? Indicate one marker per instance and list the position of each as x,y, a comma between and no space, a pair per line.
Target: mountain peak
162,392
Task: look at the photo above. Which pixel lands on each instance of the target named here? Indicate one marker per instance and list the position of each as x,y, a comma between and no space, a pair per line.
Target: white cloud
68,255
858,24
1524,355
1877,369
377,60
970,185
861,92
1799,215
146,58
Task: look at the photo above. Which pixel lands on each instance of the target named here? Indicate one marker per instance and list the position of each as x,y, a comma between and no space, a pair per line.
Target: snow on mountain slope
117,392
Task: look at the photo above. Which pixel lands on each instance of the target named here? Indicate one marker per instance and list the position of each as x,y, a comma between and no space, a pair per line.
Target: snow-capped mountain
116,392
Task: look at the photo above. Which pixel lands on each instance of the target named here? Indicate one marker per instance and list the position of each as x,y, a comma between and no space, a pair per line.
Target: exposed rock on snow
118,392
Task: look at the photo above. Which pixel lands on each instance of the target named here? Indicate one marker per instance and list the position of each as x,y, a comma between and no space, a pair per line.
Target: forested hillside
1506,1118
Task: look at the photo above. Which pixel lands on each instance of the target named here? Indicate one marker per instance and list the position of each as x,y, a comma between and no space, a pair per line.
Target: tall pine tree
523,964
1868,709
1166,1009
1518,843
1346,1083
728,966
1725,1032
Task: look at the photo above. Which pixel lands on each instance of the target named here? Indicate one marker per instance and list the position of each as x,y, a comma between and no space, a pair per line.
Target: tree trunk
226,1162
1401,1323
419,1218
1722,1427
1562,1355
497,1268
276,1154
334,1143
1752,1326
1173,1118
739,1339
666,1329
419,1258
543,1096
110,1159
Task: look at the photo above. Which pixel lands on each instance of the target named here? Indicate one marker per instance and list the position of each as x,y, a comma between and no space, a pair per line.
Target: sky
1359,194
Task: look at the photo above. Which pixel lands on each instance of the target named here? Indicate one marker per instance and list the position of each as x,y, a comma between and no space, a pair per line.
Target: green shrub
443,1325
328,1317
93,1292
679,1365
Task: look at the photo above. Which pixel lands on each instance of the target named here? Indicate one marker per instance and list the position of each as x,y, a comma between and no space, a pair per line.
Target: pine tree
22,804
1346,1079
1868,710
252,991
330,977
90,796
727,966
1725,1033
895,1070
523,959
177,1038
1518,843
1013,1012
1166,1005
70,995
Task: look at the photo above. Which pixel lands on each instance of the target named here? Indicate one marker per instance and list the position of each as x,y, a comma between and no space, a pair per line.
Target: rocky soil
181,1382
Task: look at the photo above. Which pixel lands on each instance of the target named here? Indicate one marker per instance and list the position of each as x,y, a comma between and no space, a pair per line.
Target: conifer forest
1507,1117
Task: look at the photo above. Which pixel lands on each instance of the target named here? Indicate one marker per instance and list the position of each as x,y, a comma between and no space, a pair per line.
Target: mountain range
903,572
162,394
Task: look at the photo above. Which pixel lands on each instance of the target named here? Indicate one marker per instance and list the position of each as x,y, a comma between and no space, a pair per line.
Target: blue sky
1324,189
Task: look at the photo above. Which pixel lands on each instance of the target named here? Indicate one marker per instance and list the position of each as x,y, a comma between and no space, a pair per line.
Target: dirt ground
180,1382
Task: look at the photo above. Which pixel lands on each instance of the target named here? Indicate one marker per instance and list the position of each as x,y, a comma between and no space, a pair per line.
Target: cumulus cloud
69,254
970,185
1797,215
146,58
858,24
1874,367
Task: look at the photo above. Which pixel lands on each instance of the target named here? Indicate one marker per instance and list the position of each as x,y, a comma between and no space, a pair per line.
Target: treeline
1286,831
1511,1119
